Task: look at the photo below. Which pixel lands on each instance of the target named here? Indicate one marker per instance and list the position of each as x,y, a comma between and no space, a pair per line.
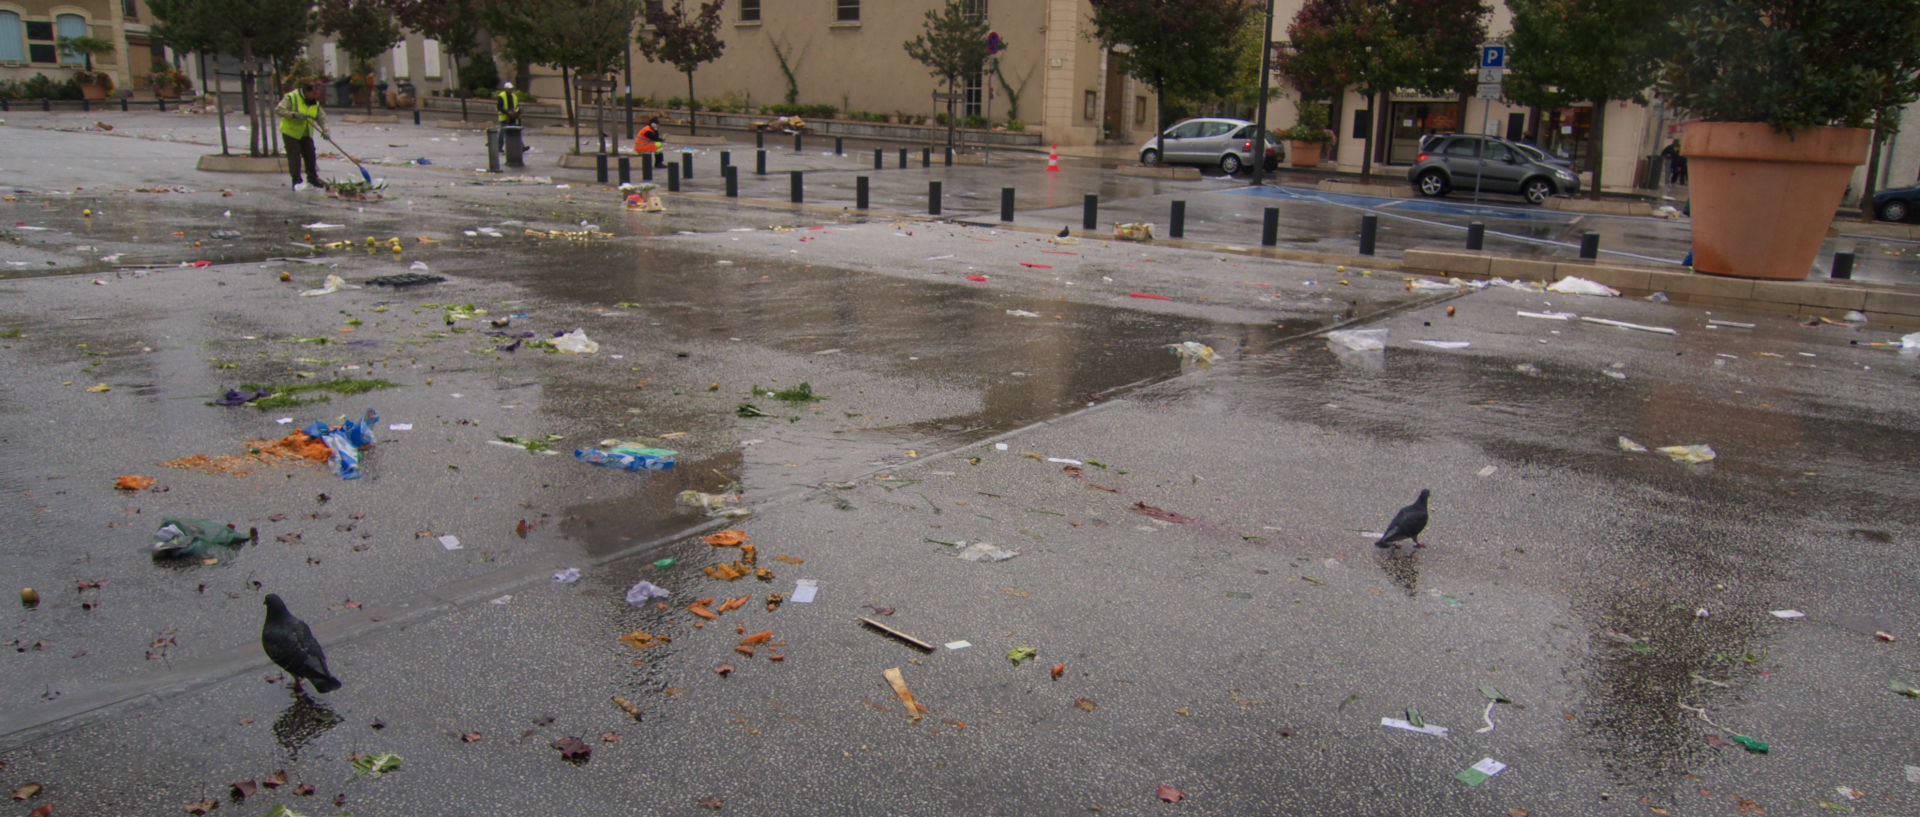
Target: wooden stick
900,688
917,643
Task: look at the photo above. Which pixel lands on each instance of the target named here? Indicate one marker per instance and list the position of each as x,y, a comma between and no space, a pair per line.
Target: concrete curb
219,163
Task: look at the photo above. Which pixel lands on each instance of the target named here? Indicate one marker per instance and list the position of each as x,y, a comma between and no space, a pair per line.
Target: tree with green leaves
254,30
684,39
584,38
1379,46
364,29
1174,46
953,46
1566,51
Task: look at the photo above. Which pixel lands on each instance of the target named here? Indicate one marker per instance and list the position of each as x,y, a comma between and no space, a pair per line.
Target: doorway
1113,120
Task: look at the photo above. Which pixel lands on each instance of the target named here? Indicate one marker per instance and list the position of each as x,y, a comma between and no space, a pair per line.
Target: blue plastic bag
345,440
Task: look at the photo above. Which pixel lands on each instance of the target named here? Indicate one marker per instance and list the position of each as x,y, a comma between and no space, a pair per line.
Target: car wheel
1895,210
1432,183
1230,164
1149,157
1537,190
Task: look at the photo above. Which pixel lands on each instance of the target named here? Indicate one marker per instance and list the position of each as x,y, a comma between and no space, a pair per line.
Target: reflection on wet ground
301,722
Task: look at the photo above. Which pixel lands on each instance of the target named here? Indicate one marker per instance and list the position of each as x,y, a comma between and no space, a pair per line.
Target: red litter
977,278
1036,266
1149,296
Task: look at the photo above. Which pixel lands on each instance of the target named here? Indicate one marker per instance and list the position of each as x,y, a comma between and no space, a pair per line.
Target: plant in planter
1309,134
94,84
1786,91
168,82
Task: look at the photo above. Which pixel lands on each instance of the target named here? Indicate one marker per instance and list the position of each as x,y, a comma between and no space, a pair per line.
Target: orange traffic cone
1053,159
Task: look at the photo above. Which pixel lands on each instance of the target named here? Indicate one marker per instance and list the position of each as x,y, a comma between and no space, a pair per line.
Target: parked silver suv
1459,160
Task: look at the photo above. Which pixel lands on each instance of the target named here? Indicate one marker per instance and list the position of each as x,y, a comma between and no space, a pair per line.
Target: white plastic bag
1359,340
576,342
1573,285
334,283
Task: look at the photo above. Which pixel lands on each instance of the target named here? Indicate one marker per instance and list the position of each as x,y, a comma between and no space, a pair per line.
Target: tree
1239,91
251,29
1587,51
584,38
1378,46
1174,46
364,29
684,40
953,46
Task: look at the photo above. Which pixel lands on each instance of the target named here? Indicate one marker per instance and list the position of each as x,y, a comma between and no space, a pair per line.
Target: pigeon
290,643
1407,524
1063,232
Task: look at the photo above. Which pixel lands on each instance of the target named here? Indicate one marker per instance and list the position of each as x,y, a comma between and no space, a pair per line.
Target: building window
976,9
130,9
1139,110
846,11
13,46
1090,105
40,46
71,25
749,11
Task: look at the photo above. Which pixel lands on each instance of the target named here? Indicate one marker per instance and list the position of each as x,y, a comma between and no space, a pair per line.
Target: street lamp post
1254,177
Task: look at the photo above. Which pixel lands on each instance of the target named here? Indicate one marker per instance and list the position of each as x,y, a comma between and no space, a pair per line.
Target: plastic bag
986,552
345,441
1688,453
1201,354
718,505
576,342
1574,285
640,593
334,283
629,458
184,536
1359,340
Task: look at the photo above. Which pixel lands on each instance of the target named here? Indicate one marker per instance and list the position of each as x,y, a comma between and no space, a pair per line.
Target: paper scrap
1548,316
1445,344
1734,324
1488,471
284,420
1788,614
961,645
1065,461
450,542
399,426
1479,772
803,591
568,576
1624,325
643,592
1427,729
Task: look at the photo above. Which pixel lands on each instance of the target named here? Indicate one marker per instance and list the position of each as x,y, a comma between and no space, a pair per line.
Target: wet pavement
1200,569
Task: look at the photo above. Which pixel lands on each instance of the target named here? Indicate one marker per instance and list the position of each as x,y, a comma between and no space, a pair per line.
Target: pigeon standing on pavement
1407,524
1063,232
290,643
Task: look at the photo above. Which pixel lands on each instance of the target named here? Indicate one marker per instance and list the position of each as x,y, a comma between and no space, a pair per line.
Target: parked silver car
1209,141
1462,160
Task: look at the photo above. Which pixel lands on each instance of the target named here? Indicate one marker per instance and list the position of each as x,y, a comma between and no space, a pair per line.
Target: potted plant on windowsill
94,85
1787,92
1309,134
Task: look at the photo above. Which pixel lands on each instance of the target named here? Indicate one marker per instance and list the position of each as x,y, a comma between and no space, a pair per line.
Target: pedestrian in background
300,115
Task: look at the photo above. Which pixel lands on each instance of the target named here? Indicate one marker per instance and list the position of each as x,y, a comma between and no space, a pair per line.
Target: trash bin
1656,166
343,92
513,145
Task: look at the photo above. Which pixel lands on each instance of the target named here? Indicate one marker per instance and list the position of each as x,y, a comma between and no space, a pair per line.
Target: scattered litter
1488,470
345,441
190,537
915,642
899,685
1445,344
334,283
986,552
405,279
1698,452
1021,313
1424,729
1885,636
1788,614
1359,340
1148,296
1619,375
1022,653
1848,792
568,576
1545,316
1733,324
1161,514
629,458
1527,369
1754,745
1136,231
1913,774
130,482
1631,446
1574,285
715,505
236,397
643,592
1479,772
449,541
399,426
1168,793
321,225
1424,284
576,342
1624,325
804,590
961,645
1198,353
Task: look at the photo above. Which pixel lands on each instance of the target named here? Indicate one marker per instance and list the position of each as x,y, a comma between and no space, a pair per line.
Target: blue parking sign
1493,56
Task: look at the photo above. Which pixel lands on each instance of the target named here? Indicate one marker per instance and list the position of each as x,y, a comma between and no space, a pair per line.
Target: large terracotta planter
1305,154
93,91
1762,201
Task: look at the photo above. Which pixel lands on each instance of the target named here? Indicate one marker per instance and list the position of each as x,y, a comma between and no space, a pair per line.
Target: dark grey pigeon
1063,232
1407,524
290,643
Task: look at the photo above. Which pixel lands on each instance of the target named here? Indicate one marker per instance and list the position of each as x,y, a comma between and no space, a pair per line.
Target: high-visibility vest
647,140
508,103
299,128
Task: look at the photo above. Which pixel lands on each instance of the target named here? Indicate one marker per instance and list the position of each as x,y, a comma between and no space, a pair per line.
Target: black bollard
1270,227
4,105
1179,219
839,146
1006,204
493,151
86,106
903,158
1590,245
794,184
626,170
933,198
760,139
646,168
673,178
796,142
686,166
1369,229
46,104
726,161
926,157
949,157
879,159
733,181
860,193
600,167
162,102
1090,211
416,113
1842,266
1476,235
759,163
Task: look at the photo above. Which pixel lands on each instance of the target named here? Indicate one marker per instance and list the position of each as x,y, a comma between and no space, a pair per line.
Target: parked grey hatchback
1460,160
1209,141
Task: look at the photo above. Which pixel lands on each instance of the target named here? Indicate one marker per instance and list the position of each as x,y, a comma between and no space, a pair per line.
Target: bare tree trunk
693,117
1598,153
1375,100
566,97
1873,170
